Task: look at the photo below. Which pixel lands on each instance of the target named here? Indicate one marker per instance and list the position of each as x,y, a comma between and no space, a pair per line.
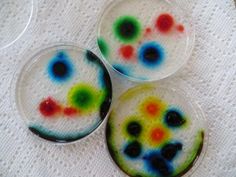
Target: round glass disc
15,16
156,131
63,93
145,40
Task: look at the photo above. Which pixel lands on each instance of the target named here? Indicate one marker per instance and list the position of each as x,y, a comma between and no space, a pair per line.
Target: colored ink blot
134,128
127,52
60,68
49,107
165,23
174,118
127,29
151,54
148,31
70,112
152,107
170,150
158,165
180,28
133,150
84,97
103,46
157,135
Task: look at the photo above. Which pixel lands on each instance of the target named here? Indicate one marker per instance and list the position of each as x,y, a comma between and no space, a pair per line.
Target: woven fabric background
210,76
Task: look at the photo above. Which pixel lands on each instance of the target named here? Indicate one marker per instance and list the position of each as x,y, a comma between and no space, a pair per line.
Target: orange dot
158,135
180,28
152,109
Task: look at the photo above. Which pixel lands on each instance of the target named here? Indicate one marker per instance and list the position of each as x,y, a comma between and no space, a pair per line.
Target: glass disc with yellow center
156,131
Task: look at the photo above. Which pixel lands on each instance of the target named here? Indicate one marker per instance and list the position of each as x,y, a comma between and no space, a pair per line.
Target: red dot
49,107
180,28
164,23
127,52
148,31
70,111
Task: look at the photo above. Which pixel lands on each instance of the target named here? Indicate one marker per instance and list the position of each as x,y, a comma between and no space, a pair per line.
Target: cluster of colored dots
82,98
50,108
148,136
128,30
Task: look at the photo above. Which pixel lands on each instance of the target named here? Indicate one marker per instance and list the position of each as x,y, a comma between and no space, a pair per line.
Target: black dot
133,150
134,129
169,151
174,119
159,164
127,29
60,69
151,54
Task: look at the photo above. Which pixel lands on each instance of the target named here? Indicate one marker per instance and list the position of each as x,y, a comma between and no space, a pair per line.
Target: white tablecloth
210,76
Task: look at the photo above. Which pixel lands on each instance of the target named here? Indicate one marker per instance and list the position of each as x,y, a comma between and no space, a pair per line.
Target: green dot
127,29
104,48
84,97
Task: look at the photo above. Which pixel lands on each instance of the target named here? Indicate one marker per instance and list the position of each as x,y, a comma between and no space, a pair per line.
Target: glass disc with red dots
156,131
63,93
145,40
15,17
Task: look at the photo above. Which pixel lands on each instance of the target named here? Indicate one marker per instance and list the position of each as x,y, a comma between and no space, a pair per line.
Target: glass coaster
156,131
15,17
63,93
145,40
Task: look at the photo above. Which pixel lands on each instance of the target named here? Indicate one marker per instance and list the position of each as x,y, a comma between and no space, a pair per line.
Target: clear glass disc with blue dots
156,131
15,17
63,93
145,40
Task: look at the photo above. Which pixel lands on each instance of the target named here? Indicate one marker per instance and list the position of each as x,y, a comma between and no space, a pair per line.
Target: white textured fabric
210,76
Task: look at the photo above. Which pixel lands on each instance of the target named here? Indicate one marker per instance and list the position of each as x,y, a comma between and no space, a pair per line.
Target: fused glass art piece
63,93
145,40
155,131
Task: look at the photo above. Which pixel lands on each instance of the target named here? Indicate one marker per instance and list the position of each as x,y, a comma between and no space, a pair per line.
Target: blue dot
170,150
133,150
60,68
151,54
174,118
157,165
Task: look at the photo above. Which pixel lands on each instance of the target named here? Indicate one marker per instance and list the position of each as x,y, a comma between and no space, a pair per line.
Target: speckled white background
210,76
